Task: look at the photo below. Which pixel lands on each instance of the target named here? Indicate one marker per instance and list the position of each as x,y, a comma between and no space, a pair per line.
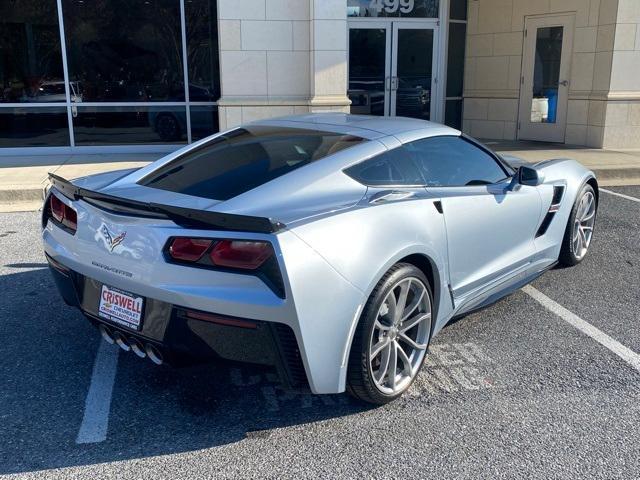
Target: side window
454,162
392,168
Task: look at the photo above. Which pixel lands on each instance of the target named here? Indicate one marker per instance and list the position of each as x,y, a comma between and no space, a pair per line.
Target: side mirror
529,176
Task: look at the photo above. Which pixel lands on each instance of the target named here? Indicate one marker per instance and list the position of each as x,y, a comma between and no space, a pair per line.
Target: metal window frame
69,105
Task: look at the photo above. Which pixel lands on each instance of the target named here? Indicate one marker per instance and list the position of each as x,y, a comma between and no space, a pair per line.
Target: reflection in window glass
454,162
367,70
30,58
125,50
129,125
34,127
546,74
392,168
244,159
415,61
202,50
204,121
393,8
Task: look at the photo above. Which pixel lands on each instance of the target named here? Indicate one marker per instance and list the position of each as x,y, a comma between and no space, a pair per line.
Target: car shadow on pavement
48,351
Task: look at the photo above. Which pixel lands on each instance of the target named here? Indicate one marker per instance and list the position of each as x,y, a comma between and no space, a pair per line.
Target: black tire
168,127
360,382
568,257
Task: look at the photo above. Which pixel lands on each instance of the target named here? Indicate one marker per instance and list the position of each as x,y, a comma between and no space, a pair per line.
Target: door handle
394,83
564,83
390,196
387,83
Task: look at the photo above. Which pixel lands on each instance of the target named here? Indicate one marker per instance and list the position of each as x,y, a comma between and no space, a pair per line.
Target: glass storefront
123,80
396,58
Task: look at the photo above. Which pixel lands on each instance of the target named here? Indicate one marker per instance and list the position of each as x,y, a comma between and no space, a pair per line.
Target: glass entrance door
413,66
369,46
392,68
545,79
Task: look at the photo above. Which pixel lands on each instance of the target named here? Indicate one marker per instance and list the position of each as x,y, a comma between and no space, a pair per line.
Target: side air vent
558,193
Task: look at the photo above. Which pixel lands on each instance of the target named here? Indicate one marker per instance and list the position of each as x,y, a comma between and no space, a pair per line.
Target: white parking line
98,403
622,195
626,354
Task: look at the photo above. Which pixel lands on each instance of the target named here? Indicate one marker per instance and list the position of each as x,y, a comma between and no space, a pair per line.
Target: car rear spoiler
185,217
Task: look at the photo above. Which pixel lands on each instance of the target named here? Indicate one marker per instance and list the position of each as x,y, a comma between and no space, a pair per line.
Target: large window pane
204,122
546,74
455,60
129,125
367,70
30,58
34,127
125,50
202,50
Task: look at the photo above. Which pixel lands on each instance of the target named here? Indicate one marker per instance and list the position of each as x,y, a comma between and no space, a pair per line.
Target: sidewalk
23,179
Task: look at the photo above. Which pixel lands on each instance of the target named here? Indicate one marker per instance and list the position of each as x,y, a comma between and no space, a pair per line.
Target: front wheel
579,231
391,339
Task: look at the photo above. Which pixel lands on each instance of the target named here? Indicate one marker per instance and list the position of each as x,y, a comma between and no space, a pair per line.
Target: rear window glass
244,159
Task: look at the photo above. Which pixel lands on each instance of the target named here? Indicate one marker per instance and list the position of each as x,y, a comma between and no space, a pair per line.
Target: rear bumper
178,336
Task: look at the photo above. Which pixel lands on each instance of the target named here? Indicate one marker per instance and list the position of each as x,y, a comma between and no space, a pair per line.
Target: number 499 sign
392,6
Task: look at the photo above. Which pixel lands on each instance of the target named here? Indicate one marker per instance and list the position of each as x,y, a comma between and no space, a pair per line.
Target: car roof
365,126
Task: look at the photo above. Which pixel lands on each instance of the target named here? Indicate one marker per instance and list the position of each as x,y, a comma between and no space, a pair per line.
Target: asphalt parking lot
513,391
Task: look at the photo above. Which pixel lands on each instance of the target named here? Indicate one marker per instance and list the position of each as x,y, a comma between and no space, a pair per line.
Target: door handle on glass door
394,83
564,83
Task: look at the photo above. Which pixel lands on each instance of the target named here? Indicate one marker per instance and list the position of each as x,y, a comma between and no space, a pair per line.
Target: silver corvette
329,247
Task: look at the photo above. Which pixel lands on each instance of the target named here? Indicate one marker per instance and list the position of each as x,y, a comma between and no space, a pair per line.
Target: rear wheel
579,232
391,339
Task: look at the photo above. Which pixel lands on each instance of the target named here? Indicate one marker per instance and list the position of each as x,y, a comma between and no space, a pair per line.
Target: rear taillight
252,257
240,254
63,214
188,249
235,254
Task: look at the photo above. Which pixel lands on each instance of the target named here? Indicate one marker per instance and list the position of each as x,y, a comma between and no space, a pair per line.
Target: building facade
151,75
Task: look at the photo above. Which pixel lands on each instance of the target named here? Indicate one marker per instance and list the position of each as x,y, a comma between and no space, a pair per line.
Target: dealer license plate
121,307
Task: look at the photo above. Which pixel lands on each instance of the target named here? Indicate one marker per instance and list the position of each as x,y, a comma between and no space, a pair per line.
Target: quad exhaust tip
137,347
107,335
121,341
131,344
154,354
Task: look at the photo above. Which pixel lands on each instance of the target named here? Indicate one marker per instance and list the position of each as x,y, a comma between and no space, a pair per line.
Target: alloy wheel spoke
589,204
415,303
412,342
392,305
384,365
378,324
402,300
406,362
588,218
408,325
583,239
378,347
393,365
